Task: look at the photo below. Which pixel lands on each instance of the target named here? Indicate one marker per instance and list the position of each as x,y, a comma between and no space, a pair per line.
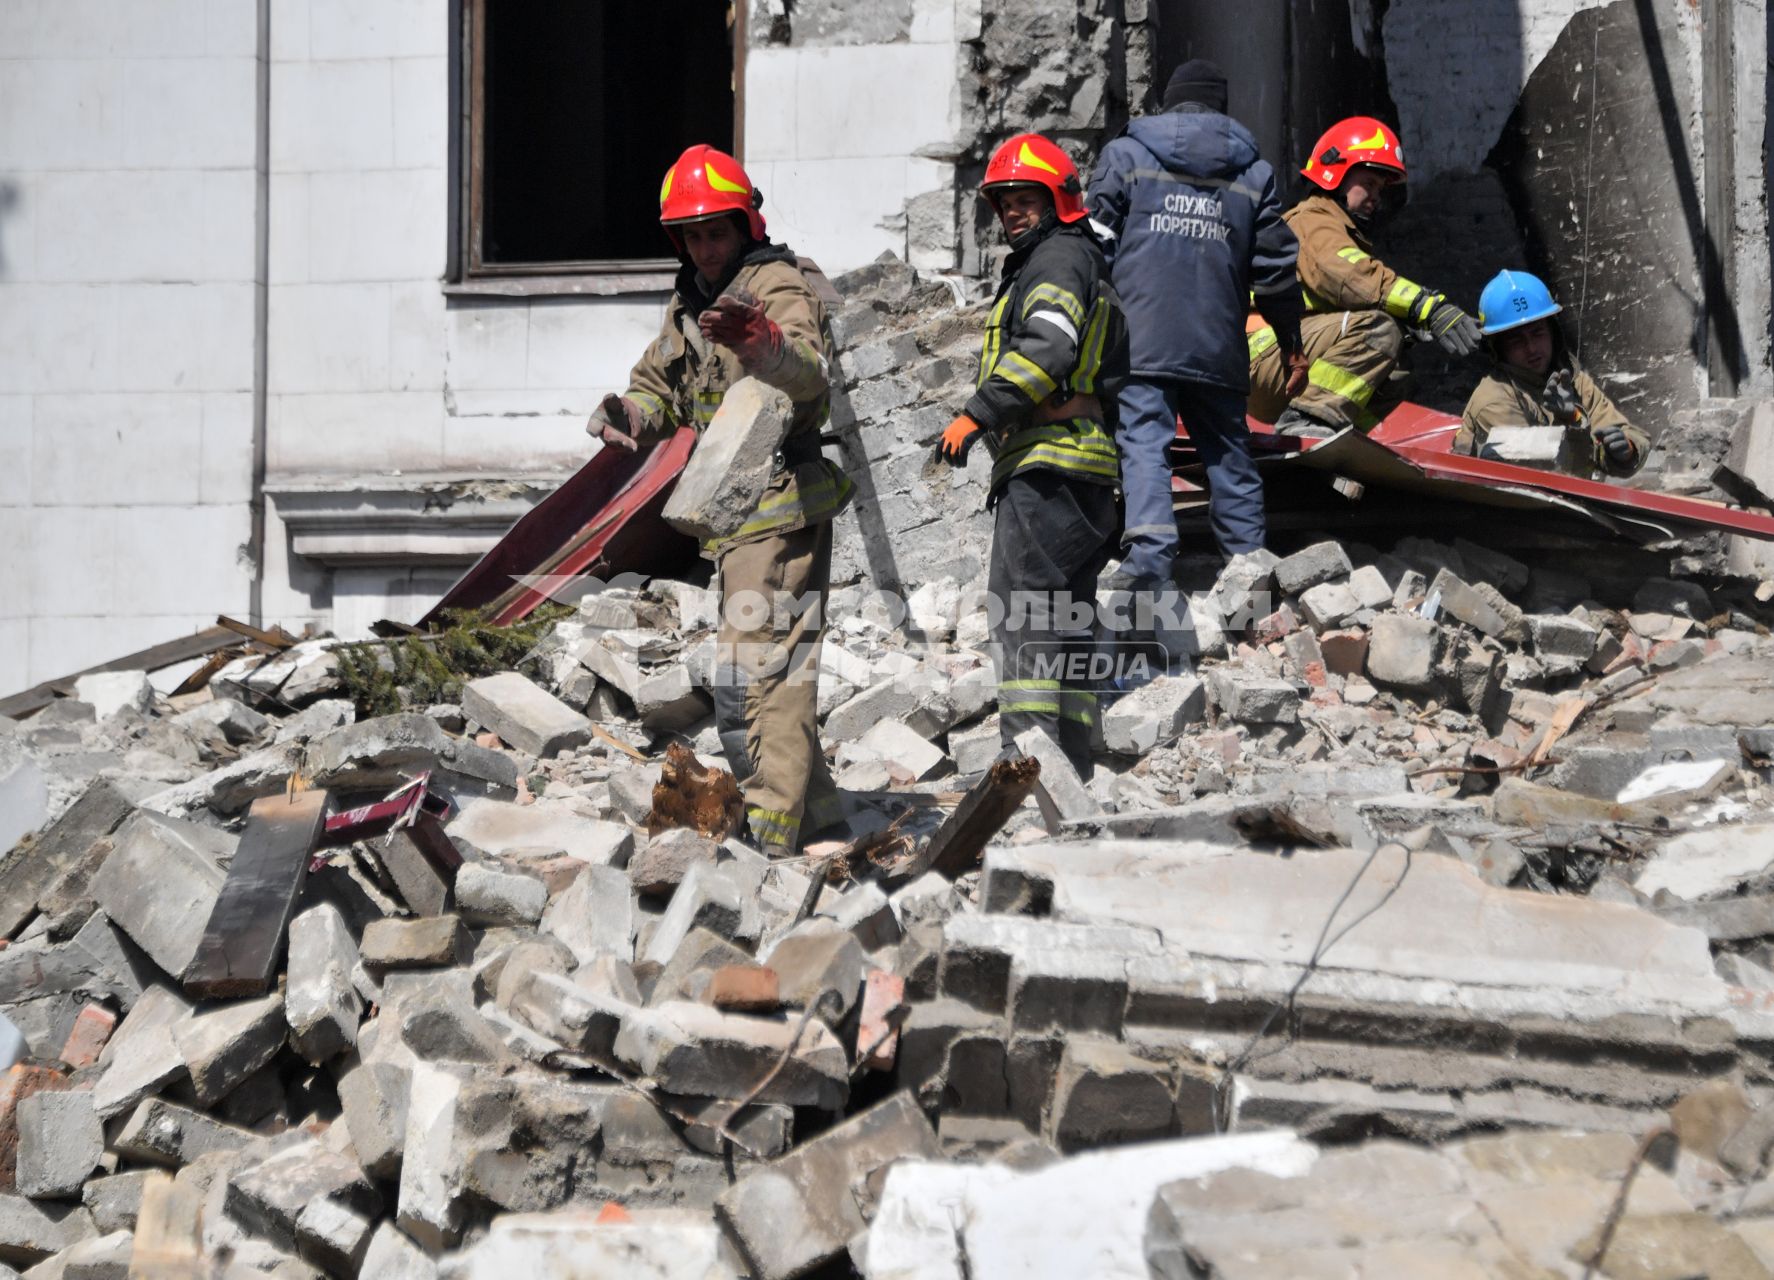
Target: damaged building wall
127,291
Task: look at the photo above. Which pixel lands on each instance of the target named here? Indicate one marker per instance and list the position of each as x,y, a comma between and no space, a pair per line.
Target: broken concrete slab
387,751
1080,1217
224,1044
524,714
1703,864
695,1049
163,1133
31,1232
581,1019
1320,562
824,1188
109,692
660,865
818,960
271,1196
489,894
1060,790
321,1003
30,869
1403,650
734,459
1106,1095
660,1246
496,828
711,897
1154,714
60,1143
142,1056
428,942
160,885
595,915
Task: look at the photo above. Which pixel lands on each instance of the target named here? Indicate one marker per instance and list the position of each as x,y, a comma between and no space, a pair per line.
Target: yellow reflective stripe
771,826
1349,253
1260,342
1040,685
1090,359
1401,297
1028,708
648,402
1072,461
1030,378
1316,303
988,354
810,502
1339,382
1064,299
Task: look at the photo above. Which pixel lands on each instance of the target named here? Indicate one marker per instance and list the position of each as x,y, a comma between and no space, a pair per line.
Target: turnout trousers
773,595
1351,354
1215,419
1051,537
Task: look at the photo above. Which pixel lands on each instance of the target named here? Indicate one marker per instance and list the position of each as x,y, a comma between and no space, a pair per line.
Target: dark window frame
467,270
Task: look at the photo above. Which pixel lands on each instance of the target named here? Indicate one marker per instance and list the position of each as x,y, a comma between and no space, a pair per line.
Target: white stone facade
139,152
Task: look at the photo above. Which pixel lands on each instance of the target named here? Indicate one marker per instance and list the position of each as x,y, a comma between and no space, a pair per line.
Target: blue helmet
1512,299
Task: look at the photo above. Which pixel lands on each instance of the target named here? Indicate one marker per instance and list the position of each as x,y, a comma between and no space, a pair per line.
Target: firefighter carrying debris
743,308
1355,303
1054,358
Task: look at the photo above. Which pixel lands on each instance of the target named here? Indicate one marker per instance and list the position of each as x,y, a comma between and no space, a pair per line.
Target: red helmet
1030,158
706,183
1347,143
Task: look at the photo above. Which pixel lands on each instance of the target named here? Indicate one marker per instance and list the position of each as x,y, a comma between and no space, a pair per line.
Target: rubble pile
1420,922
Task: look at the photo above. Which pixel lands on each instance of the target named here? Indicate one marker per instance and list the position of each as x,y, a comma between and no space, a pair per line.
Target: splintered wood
690,794
956,846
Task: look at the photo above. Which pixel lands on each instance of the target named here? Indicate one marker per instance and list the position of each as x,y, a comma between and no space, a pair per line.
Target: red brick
746,988
1277,626
1345,652
92,1029
882,993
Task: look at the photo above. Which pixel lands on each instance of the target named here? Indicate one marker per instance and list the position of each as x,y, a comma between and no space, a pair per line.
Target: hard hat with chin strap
1512,299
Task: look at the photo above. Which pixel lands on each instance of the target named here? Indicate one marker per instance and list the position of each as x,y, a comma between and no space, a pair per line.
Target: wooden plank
243,942
955,847
277,637
168,1234
200,645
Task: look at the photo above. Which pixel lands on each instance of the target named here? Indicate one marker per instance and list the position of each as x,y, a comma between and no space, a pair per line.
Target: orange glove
1297,367
957,439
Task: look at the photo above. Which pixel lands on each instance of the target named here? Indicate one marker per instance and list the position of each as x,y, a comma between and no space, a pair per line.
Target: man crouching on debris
1356,304
1054,359
1536,382
743,308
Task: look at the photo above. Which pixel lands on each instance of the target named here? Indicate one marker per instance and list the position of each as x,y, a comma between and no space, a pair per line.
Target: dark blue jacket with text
1192,223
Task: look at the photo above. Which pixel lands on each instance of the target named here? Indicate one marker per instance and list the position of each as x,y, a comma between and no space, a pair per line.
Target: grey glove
617,421
1560,398
1615,443
1455,331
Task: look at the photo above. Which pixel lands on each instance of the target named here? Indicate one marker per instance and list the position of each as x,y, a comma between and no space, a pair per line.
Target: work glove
737,321
1614,442
957,439
1560,399
1455,331
617,421
1297,369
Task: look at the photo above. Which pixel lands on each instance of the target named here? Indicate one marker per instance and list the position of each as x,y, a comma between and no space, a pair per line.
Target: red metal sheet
608,513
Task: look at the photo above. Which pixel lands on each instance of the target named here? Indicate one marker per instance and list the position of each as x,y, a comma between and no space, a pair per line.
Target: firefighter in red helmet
1054,358
742,307
1356,306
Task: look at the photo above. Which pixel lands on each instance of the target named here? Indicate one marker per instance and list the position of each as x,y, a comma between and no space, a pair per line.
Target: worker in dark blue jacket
1192,221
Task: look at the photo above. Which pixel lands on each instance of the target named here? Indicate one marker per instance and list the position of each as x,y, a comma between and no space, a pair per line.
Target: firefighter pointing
1355,303
1054,358
743,308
